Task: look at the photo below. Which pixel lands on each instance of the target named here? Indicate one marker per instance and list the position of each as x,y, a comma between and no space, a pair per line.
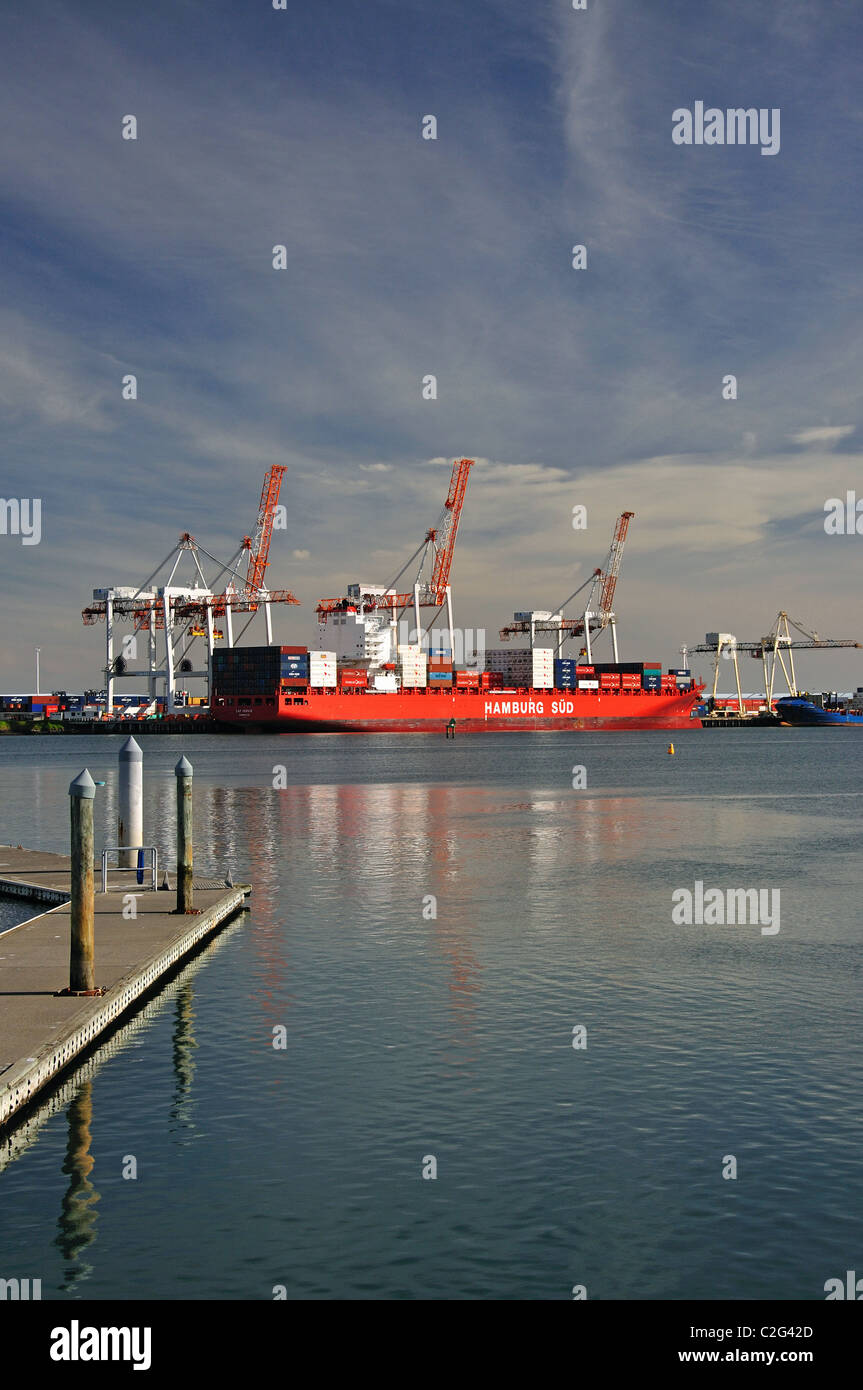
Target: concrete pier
42,1033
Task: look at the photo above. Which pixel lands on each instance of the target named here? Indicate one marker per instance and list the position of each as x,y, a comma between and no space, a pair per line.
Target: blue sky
600,387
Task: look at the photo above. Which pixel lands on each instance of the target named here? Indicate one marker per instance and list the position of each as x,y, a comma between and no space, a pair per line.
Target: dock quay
741,721
41,1031
195,724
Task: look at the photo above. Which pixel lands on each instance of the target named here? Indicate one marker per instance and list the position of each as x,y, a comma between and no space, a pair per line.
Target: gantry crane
769,650
437,547
605,579
185,611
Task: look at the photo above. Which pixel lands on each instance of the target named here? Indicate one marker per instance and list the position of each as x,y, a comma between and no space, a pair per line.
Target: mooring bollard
82,979
185,853
130,816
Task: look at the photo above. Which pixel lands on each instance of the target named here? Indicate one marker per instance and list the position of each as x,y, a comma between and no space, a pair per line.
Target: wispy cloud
408,258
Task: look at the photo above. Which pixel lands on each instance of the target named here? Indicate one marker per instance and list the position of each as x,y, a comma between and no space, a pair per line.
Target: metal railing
136,868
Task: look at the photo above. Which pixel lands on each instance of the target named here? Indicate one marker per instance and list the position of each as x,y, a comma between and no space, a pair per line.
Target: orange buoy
671,748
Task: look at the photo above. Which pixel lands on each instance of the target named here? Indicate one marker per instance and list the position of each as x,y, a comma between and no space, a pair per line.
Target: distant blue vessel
800,711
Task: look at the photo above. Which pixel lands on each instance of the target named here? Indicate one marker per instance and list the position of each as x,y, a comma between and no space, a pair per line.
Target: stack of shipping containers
440,668
467,680
542,668
293,665
523,666
322,668
412,660
651,678
353,678
565,677
250,671
498,660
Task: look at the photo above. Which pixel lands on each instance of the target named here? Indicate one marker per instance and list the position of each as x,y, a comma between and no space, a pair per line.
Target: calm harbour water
409,1036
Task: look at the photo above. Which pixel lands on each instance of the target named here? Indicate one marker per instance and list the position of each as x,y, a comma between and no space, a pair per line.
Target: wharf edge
49,1046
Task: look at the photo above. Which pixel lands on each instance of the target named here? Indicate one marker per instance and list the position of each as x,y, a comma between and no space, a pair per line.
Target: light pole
37,650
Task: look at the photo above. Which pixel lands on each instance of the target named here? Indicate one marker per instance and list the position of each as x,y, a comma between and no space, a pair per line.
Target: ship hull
803,714
431,711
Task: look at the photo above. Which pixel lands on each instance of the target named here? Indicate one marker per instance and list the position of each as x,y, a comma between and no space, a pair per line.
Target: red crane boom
259,548
440,538
612,567
449,526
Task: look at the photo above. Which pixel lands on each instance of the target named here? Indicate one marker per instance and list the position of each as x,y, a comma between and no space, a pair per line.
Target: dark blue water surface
411,1036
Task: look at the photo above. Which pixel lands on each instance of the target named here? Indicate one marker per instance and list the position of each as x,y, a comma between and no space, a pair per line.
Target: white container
385,680
588,685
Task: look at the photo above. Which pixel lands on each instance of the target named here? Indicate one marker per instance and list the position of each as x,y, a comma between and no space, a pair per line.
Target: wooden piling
185,849
82,888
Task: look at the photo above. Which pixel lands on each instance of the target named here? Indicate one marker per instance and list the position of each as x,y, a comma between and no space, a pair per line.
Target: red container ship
249,691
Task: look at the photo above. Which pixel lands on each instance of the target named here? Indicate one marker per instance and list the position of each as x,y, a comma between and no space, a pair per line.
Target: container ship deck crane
592,620
437,550
180,611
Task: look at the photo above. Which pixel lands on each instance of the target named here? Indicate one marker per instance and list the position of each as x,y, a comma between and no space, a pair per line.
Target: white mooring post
130,809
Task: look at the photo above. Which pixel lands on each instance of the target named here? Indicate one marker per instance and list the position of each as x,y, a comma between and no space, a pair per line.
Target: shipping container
588,685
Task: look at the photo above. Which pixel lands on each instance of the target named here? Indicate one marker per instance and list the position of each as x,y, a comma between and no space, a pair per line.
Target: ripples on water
409,1035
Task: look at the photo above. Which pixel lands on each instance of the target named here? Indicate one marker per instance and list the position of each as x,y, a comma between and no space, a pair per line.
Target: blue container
649,681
